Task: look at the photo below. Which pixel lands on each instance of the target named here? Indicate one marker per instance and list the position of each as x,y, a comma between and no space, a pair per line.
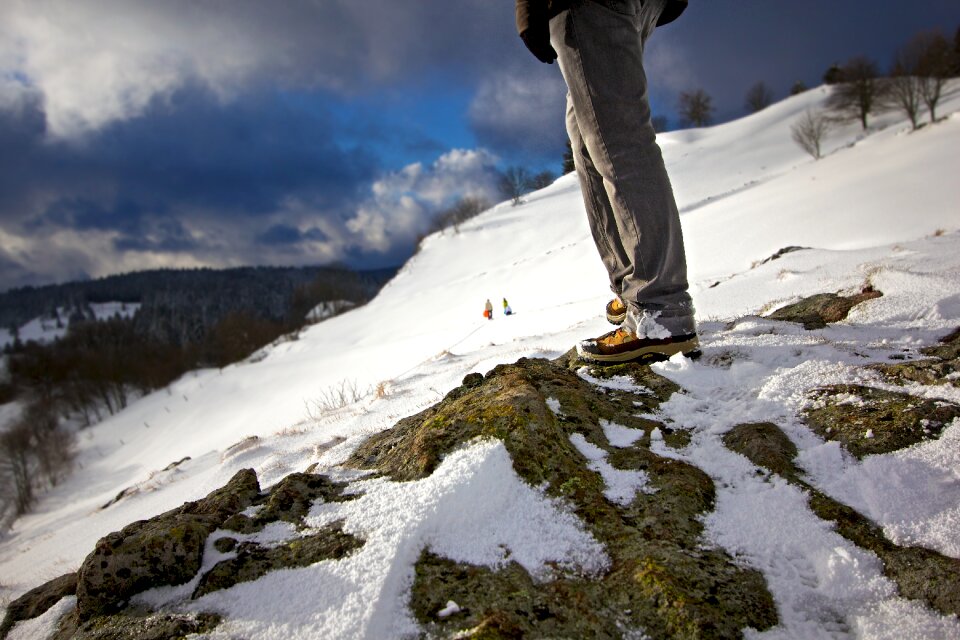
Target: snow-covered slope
54,326
881,207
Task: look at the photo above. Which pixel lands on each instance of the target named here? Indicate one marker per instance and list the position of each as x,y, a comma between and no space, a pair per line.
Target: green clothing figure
507,311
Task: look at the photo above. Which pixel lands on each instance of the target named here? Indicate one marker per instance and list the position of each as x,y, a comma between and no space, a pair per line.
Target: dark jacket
538,12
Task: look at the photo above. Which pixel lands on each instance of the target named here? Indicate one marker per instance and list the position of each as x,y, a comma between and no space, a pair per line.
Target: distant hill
180,305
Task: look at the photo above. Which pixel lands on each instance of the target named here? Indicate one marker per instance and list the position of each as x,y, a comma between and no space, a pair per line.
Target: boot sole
617,319
689,348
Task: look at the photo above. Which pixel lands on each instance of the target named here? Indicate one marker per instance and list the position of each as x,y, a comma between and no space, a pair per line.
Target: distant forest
187,319
181,306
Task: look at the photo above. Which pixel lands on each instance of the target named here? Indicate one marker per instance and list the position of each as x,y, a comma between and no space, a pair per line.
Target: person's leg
600,51
600,216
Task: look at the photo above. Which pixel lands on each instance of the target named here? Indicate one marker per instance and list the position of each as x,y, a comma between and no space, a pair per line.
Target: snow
622,484
53,326
473,508
879,209
619,435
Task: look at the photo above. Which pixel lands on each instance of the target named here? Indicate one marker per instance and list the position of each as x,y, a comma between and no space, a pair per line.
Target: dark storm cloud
285,235
726,47
187,164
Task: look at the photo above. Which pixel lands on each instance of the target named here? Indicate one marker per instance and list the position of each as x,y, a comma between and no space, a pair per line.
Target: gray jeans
630,204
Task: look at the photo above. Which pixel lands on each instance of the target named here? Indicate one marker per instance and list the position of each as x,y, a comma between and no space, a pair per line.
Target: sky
136,134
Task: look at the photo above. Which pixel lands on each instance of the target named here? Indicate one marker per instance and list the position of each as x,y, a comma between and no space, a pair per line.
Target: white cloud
402,203
525,109
96,61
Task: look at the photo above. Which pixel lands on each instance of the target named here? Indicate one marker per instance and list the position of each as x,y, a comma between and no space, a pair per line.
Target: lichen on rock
661,579
817,311
941,368
921,574
253,561
867,420
165,550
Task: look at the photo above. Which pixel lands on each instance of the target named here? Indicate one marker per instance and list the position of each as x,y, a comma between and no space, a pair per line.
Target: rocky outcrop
661,580
37,601
919,573
817,311
165,550
866,420
941,367
168,550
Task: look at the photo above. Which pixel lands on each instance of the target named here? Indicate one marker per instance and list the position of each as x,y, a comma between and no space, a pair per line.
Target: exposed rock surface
254,561
942,367
37,601
133,624
817,311
919,573
867,420
165,550
662,580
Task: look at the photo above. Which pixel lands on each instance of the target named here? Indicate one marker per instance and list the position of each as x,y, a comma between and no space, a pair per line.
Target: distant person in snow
488,310
630,204
507,311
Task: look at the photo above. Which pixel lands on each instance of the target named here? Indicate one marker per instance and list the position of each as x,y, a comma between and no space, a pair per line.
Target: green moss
819,310
921,574
871,421
253,561
765,445
510,405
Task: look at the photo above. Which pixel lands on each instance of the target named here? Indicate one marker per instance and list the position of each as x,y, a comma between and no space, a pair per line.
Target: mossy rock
165,550
948,349
661,580
928,372
765,445
253,561
921,574
869,421
136,624
817,311
290,499
943,367
37,601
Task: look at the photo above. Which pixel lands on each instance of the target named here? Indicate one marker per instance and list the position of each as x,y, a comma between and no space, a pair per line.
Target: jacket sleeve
530,13
671,11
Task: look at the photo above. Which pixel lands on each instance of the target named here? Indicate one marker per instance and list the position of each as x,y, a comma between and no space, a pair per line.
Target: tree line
914,82
98,367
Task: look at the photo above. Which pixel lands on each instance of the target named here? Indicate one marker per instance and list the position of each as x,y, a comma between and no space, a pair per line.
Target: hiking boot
623,345
616,311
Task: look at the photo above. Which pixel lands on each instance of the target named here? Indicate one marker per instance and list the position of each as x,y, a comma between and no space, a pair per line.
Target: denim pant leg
631,208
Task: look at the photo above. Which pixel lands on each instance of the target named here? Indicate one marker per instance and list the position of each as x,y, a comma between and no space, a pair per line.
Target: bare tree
15,465
934,66
798,87
696,108
660,123
904,90
810,130
956,53
460,212
759,97
568,164
542,180
860,91
514,183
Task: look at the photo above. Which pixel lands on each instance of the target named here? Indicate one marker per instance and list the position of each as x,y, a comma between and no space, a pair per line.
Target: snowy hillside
49,328
879,209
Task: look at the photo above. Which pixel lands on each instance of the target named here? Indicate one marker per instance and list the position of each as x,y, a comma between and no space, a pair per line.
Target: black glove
537,40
